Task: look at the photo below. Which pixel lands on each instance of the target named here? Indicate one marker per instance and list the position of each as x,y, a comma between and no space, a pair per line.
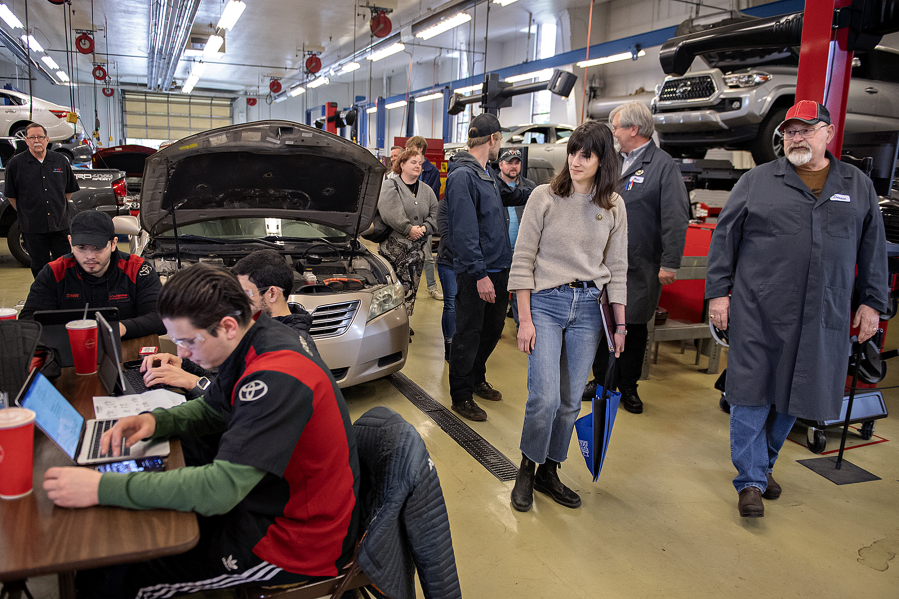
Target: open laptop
55,335
109,368
79,439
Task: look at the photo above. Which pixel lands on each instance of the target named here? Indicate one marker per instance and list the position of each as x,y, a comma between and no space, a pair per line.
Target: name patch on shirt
838,197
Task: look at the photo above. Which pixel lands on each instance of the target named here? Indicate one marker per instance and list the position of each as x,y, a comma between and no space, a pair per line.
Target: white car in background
17,110
544,142
549,142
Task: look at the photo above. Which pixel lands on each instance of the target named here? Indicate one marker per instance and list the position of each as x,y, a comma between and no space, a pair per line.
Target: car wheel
769,144
17,245
15,132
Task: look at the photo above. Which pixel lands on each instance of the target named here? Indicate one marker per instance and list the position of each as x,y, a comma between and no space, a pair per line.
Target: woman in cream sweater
572,241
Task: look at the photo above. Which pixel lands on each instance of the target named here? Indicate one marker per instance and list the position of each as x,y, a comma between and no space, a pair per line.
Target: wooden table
38,538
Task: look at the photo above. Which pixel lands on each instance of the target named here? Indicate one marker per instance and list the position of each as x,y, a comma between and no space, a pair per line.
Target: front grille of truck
333,319
687,88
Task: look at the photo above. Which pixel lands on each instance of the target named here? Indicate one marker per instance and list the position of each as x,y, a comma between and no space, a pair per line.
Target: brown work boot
469,409
750,503
773,491
486,391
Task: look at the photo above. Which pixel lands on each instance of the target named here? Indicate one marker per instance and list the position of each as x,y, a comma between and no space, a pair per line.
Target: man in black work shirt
98,274
38,185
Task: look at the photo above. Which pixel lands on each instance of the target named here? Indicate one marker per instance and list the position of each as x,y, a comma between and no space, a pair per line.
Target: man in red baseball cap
781,272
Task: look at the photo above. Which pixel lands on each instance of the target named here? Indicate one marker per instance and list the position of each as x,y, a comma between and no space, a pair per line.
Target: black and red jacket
129,284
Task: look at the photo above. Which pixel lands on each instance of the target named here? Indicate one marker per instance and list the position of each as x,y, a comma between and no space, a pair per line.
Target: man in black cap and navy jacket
482,256
99,275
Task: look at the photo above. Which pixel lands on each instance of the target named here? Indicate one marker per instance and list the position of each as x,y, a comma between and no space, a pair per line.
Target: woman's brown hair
592,137
403,158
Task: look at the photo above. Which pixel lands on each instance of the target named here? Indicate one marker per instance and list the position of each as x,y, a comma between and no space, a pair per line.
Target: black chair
18,340
405,520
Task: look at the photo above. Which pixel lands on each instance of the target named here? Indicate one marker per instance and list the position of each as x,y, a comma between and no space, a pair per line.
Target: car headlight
386,299
746,79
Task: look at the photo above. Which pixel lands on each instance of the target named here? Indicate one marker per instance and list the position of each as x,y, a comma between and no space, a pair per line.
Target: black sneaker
470,410
589,391
486,391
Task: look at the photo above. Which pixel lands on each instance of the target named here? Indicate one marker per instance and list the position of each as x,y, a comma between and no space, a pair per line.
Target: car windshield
237,229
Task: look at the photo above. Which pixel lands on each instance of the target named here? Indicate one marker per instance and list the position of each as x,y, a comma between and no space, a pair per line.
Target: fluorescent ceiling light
371,110
296,91
49,61
504,2
212,46
385,52
607,59
198,69
29,39
349,67
231,13
318,82
10,18
469,89
399,104
62,76
190,83
445,25
539,75
429,97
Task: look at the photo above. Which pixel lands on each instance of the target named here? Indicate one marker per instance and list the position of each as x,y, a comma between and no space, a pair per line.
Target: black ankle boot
447,346
523,491
547,481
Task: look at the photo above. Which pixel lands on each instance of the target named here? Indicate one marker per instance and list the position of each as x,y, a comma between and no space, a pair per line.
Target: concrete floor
662,520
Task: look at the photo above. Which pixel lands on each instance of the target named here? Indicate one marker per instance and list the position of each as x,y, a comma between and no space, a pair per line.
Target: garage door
151,116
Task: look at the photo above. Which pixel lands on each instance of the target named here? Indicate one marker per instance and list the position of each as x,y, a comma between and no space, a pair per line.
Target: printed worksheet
130,405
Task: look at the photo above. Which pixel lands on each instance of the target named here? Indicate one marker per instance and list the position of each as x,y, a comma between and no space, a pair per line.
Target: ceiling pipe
180,40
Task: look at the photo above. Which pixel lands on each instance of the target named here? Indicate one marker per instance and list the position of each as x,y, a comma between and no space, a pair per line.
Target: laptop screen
55,415
109,370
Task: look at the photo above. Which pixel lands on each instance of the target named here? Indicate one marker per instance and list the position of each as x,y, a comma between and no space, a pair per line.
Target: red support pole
330,111
825,65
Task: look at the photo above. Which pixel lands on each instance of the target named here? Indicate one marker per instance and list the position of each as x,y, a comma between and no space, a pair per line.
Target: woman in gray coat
409,208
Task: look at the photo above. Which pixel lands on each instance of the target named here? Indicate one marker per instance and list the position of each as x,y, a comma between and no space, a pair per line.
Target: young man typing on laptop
268,281
98,274
278,503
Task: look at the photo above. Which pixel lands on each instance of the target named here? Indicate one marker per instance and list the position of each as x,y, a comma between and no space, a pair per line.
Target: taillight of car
60,114
120,189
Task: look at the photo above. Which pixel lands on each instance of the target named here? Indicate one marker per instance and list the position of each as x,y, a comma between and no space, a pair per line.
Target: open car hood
273,169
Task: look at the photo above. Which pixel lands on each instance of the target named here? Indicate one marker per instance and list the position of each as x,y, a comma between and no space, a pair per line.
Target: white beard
799,157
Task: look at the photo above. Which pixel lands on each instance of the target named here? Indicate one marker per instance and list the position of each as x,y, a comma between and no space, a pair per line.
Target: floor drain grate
486,454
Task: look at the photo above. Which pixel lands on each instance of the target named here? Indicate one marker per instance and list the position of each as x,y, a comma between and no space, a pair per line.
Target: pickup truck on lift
740,100
101,189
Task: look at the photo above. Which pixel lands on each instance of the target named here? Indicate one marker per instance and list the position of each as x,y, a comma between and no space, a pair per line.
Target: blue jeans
448,283
756,435
568,323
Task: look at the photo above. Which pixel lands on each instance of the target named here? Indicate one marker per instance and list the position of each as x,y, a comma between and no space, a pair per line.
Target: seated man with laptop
97,274
278,504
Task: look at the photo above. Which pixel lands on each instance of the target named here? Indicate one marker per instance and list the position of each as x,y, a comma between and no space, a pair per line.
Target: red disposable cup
83,339
8,313
16,452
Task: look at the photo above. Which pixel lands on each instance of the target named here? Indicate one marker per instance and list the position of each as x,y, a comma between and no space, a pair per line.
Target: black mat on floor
848,473
479,448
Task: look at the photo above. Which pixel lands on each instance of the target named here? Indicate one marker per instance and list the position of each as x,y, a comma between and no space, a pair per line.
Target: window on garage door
152,118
